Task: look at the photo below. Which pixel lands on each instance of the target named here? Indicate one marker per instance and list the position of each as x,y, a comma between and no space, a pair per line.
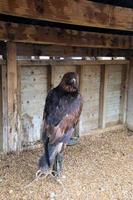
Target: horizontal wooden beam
56,50
77,12
47,35
72,62
65,51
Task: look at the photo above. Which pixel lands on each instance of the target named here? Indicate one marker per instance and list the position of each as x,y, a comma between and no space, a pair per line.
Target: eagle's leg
57,167
47,161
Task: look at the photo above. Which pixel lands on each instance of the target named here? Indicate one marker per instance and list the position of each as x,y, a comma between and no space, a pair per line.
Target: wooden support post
103,95
1,132
79,71
12,98
129,111
49,77
124,93
4,108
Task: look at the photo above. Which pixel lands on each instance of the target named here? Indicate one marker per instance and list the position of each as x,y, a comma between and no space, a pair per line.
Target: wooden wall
33,94
91,91
130,99
38,76
1,132
101,84
113,98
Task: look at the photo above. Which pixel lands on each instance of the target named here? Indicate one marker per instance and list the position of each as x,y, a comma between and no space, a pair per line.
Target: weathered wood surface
49,35
4,107
113,98
124,93
66,51
130,98
1,117
12,99
72,62
33,94
56,50
33,83
90,90
86,13
103,96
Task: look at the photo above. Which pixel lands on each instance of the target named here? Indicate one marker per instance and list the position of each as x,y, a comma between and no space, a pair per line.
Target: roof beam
66,51
47,35
77,12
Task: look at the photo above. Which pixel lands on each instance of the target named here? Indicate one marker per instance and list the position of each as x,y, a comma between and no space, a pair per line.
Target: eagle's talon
39,173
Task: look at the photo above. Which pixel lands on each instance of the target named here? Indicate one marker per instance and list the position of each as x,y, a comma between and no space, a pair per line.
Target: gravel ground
100,167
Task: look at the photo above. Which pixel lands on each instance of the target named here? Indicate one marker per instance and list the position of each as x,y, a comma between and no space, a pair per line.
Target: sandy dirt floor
100,167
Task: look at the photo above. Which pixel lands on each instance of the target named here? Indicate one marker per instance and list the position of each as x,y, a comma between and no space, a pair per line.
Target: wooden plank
72,62
49,77
1,114
90,86
85,13
129,119
124,93
66,51
4,108
12,98
103,95
79,72
50,35
33,95
113,95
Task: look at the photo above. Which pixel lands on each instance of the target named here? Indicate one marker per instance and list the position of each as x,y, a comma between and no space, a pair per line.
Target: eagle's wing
60,115
54,109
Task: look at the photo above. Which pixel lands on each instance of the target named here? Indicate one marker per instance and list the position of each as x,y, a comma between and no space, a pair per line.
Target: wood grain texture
113,98
12,99
129,119
1,116
72,62
103,95
78,12
90,89
33,92
47,35
57,50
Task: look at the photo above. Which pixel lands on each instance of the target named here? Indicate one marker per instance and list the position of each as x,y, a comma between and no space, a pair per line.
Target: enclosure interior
37,77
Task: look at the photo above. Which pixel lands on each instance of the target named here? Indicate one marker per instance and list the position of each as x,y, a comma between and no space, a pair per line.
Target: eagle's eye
72,81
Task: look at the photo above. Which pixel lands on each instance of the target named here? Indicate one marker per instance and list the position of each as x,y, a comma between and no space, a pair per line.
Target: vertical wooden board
59,71
4,108
113,94
33,94
1,132
124,93
103,95
130,100
12,99
90,91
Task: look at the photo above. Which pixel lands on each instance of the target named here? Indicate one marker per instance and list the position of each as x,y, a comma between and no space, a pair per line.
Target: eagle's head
70,82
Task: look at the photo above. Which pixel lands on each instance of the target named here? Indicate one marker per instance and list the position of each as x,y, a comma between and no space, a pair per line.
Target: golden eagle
61,114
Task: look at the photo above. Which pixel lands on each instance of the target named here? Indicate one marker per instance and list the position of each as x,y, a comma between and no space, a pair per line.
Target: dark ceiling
122,3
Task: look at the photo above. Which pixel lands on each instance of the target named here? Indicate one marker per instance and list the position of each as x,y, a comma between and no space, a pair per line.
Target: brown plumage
61,113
